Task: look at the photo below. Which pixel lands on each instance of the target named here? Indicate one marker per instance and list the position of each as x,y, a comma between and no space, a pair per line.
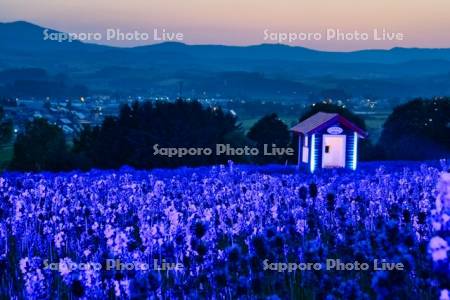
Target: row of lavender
209,233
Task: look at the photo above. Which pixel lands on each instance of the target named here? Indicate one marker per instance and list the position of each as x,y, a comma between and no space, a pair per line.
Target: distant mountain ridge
207,68
19,34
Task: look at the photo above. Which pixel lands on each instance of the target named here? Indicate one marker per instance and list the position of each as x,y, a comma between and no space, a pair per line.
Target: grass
6,154
374,125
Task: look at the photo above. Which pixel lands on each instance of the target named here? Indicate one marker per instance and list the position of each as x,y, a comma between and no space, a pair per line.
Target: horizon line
228,45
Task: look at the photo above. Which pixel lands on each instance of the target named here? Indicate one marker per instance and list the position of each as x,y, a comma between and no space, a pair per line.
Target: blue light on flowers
238,226
355,151
313,153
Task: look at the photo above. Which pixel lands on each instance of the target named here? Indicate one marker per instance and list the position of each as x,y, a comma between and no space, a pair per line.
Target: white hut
328,140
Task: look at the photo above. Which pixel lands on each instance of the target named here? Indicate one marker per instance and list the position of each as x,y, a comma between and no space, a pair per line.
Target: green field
6,154
374,123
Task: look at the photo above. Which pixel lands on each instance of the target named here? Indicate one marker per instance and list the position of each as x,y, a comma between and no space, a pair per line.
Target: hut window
305,154
305,150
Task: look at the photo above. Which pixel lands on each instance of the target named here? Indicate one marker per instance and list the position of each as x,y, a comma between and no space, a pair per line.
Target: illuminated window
312,164
305,154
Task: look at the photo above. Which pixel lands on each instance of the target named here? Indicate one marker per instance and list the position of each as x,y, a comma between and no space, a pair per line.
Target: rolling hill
267,70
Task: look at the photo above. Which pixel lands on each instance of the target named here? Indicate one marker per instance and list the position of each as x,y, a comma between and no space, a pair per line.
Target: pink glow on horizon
424,23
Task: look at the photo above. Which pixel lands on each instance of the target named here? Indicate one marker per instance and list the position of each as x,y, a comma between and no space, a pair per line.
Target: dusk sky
237,22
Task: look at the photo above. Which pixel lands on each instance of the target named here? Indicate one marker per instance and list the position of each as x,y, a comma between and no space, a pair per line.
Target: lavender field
213,233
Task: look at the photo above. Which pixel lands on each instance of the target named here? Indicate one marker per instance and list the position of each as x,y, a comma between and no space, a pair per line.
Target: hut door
333,151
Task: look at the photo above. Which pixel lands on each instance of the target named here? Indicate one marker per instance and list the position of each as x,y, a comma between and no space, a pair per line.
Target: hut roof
321,120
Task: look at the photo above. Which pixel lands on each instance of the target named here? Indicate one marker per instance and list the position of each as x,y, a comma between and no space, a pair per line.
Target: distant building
67,130
328,140
79,115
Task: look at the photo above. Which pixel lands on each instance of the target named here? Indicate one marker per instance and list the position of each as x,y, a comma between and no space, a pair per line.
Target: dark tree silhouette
129,139
417,130
267,131
6,128
40,147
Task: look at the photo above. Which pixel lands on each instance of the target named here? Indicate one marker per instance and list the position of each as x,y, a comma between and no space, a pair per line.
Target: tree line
417,130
